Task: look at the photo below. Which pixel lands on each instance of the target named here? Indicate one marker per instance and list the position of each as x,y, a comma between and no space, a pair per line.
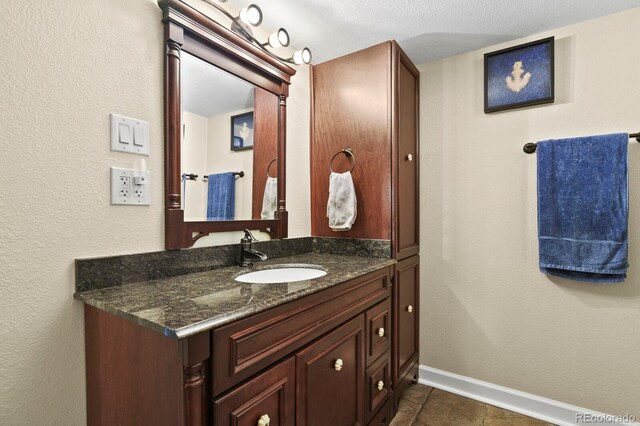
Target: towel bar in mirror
198,47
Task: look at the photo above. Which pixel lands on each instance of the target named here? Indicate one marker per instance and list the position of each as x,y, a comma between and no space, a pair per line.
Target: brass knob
338,365
380,385
264,420
381,332
409,308
409,157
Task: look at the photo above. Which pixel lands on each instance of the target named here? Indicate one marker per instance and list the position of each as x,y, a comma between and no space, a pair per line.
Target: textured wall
66,66
193,159
488,313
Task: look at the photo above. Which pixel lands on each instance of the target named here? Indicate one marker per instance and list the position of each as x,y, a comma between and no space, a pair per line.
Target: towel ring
269,166
349,153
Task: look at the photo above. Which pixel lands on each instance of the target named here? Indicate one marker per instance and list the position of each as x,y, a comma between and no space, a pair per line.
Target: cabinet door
267,399
406,319
406,186
330,377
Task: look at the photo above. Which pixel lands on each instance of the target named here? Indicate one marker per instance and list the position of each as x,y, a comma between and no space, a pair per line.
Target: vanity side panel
351,108
134,375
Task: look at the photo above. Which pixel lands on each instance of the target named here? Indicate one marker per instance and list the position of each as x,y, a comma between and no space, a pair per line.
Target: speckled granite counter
187,304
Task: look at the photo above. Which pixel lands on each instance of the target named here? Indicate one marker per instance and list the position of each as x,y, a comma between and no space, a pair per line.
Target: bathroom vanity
203,348
176,347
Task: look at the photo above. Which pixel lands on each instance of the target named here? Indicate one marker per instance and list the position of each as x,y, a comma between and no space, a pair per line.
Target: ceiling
426,29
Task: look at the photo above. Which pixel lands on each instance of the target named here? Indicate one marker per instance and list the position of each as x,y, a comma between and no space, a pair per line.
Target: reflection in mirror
229,140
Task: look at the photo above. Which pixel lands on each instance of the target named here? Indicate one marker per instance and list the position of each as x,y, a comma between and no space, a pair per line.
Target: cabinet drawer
249,345
378,323
384,416
270,396
378,384
330,378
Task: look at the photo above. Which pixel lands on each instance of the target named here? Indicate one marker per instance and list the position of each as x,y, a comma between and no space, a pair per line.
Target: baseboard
510,399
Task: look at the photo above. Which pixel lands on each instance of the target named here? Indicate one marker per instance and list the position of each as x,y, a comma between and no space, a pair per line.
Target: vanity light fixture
278,39
302,56
252,16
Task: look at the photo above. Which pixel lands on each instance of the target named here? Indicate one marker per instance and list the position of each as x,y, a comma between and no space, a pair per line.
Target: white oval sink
287,274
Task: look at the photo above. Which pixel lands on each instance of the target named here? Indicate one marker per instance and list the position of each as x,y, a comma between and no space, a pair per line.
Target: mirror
229,140
214,78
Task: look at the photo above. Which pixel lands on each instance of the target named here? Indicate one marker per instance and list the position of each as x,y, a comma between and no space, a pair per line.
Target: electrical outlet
129,187
138,191
125,186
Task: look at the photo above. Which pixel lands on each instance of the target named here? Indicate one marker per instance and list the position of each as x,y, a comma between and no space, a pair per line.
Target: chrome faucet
246,252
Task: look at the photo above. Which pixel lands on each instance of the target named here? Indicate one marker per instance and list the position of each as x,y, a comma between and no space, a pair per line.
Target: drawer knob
380,385
264,420
381,332
338,365
409,308
409,157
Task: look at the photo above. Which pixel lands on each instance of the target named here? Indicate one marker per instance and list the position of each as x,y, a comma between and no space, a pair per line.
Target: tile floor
425,406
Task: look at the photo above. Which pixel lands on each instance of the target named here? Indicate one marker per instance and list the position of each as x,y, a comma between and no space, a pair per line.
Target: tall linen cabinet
368,101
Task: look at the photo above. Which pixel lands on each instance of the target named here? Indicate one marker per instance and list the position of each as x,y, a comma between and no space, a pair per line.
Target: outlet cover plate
129,135
125,189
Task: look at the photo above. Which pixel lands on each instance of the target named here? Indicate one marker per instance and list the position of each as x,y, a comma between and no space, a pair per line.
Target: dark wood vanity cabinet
340,339
322,359
369,101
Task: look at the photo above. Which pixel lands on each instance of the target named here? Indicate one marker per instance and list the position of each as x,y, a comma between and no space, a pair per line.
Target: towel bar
530,147
346,151
189,176
236,174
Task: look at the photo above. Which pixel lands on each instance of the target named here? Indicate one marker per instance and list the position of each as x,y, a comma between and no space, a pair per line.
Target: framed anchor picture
519,76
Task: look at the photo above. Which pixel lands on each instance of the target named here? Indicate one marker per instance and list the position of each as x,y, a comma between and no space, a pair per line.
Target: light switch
124,133
139,136
129,135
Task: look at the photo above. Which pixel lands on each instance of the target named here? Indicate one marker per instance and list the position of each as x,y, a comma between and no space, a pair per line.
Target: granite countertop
184,305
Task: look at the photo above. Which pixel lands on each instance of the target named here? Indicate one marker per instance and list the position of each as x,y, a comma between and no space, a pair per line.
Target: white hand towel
342,207
270,198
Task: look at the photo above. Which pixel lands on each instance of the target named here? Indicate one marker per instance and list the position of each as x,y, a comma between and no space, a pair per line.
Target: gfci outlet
129,187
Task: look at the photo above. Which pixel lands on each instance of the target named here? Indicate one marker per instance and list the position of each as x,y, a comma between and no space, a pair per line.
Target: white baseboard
520,402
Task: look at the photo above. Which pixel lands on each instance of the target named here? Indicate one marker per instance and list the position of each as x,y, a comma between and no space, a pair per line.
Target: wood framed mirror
217,83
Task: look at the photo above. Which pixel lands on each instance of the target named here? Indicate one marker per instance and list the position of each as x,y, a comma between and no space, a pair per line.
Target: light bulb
302,56
279,39
251,15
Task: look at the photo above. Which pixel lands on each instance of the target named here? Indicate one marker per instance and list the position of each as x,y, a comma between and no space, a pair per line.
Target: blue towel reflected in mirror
221,199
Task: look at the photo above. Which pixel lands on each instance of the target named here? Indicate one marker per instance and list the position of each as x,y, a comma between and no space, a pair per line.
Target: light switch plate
129,135
130,187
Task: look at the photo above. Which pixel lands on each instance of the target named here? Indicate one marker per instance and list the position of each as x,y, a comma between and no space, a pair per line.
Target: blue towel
583,208
221,200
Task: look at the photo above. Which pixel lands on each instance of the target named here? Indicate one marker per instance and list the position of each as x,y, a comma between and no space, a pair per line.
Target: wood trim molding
194,394
535,406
